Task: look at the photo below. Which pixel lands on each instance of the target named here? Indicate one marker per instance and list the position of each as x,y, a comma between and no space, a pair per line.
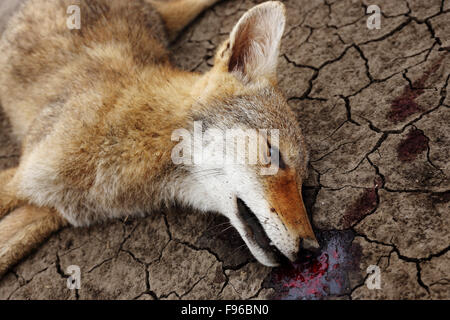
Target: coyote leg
8,199
22,230
177,14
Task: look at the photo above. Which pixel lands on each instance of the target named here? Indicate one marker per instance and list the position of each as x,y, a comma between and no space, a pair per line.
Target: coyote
95,108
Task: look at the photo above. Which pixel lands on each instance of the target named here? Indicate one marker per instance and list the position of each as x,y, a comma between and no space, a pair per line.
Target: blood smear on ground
320,276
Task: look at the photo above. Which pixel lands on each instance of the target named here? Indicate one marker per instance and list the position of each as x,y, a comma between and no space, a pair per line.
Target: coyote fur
95,108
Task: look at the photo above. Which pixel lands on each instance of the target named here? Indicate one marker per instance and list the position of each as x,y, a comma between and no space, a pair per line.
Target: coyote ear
254,42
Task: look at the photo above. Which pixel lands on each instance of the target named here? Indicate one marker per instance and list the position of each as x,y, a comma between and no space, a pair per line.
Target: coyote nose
309,245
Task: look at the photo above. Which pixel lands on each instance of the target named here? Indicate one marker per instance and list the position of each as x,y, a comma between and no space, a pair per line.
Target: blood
414,144
310,271
365,204
315,277
405,105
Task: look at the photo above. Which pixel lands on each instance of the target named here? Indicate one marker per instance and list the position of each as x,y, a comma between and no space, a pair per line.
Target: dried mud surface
374,108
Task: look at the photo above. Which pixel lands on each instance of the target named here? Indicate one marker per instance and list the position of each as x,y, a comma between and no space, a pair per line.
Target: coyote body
95,108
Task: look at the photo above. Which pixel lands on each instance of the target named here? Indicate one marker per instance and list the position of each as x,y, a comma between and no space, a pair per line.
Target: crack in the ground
389,34
350,119
401,256
25,282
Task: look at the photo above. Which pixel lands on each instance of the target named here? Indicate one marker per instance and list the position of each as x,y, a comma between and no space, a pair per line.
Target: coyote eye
278,160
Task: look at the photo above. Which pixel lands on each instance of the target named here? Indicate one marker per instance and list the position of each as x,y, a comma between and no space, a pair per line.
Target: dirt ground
374,108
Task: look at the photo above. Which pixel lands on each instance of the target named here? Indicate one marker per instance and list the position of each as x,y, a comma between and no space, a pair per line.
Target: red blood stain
318,276
414,144
307,273
405,105
321,275
335,254
362,207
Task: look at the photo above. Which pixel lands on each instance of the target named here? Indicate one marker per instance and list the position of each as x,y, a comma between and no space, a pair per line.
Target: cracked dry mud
374,108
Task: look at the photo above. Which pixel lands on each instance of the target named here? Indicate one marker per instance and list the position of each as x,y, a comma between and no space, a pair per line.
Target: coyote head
262,198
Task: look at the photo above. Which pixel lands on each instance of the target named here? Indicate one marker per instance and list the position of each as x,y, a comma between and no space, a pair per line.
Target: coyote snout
99,110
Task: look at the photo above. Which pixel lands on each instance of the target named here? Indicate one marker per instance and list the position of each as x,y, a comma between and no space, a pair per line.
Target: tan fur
23,230
79,92
282,191
8,198
95,108
179,13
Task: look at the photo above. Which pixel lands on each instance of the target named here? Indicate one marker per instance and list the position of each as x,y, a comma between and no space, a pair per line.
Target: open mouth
256,232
